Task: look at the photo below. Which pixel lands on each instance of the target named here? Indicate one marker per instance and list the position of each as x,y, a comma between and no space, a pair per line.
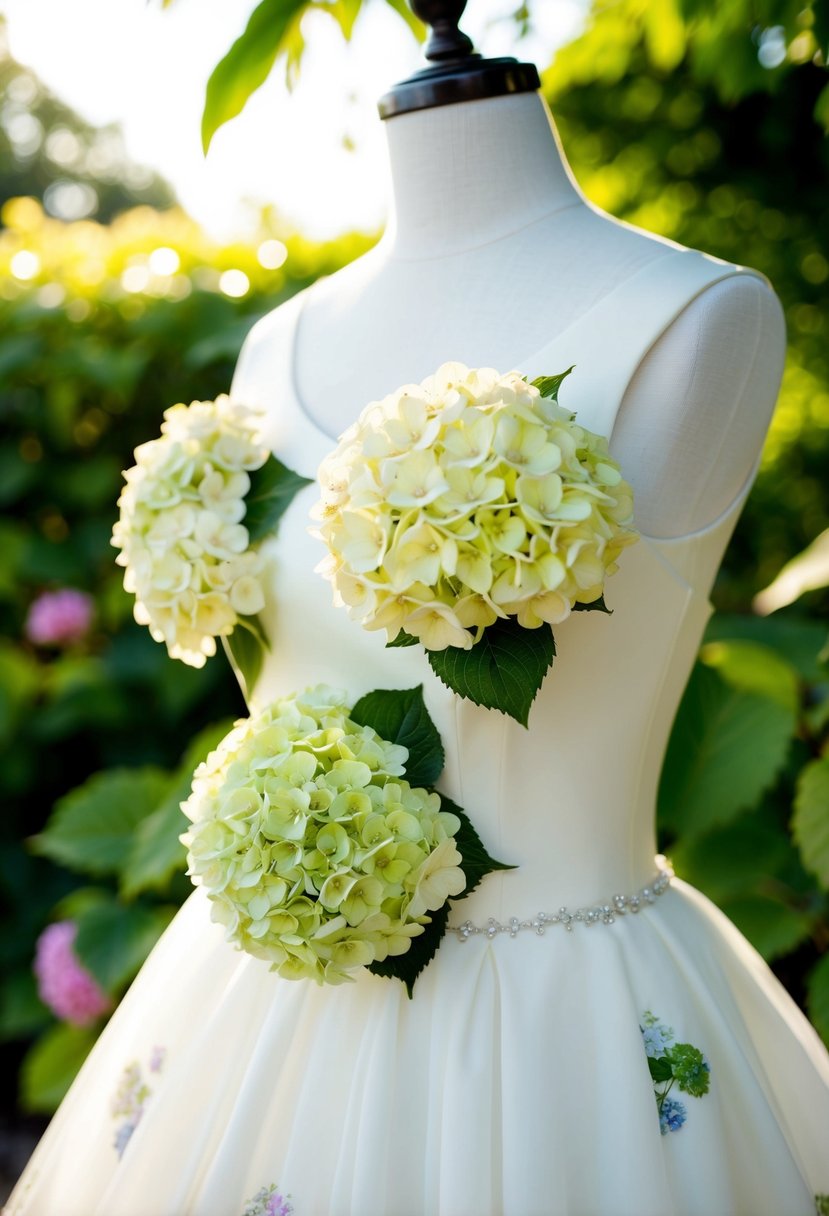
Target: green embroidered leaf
810,824
403,639
92,827
248,62
245,648
114,939
597,606
51,1066
503,671
689,1070
400,716
156,852
272,489
726,748
548,386
660,1069
476,864
817,990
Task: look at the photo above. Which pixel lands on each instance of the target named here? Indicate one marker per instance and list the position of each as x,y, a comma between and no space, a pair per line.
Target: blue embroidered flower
672,1115
268,1202
656,1041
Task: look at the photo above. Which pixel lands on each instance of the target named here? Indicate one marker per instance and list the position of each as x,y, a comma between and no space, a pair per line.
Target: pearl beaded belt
605,914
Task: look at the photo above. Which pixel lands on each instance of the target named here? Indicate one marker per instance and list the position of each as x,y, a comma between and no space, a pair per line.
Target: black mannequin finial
458,72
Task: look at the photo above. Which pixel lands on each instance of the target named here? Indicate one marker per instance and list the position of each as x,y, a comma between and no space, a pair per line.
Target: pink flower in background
58,617
63,984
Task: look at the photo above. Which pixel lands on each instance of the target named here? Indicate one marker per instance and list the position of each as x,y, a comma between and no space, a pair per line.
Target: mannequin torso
492,251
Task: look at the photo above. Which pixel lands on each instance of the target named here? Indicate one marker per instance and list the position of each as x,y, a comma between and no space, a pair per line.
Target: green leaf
51,1066
91,828
22,1013
503,671
157,853
821,111
114,939
660,1069
344,12
402,8
548,386
770,925
272,489
247,64
475,865
797,639
245,648
403,639
596,606
725,749
810,823
400,716
733,859
817,997
755,668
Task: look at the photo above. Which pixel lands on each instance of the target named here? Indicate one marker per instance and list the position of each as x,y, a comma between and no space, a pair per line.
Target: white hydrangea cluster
467,498
180,535
316,853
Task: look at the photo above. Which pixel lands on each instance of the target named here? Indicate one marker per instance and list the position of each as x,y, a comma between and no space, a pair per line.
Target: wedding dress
516,1081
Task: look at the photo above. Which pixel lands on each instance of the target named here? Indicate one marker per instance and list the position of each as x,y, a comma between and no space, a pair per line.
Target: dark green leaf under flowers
272,489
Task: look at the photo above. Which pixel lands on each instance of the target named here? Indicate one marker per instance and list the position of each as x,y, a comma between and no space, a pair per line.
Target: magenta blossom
57,618
63,984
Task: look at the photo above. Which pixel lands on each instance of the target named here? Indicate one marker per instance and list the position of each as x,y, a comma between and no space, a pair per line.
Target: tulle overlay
515,1082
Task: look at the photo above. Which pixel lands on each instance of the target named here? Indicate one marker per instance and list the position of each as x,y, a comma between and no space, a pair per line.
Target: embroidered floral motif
670,1064
268,1202
131,1097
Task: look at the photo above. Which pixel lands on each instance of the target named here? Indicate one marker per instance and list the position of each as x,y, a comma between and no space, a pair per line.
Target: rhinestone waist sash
595,914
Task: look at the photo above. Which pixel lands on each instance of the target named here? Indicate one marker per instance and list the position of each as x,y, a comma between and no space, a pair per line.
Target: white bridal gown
516,1082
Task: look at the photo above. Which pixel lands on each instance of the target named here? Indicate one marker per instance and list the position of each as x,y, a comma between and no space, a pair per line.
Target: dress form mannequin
491,251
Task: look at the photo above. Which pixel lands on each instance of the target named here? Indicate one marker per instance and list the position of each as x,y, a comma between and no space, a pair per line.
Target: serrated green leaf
51,1066
810,823
797,639
245,648
770,925
400,716
114,939
503,671
403,639
754,668
272,490
156,852
596,606
733,859
247,64
91,828
476,863
725,749
548,386
817,997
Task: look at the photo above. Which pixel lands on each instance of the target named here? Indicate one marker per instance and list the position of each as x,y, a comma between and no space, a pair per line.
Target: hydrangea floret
186,532
469,503
671,1063
64,984
316,852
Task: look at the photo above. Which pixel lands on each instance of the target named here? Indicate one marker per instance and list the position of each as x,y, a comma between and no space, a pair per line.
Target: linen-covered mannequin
491,251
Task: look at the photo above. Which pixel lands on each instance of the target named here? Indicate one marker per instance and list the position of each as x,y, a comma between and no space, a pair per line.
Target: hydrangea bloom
180,535
63,984
468,498
268,1202
316,853
672,1116
57,618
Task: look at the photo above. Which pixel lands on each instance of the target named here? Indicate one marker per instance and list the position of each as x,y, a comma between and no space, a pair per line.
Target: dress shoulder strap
608,343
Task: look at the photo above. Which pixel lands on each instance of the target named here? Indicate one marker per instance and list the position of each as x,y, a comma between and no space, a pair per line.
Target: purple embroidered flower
268,1202
131,1096
57,618
63,984
157,1058
672,1115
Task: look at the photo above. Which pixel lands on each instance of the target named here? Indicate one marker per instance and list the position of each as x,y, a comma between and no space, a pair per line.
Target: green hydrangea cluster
316,853
465,499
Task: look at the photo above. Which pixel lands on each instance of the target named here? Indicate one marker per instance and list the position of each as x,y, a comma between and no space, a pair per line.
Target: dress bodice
570,801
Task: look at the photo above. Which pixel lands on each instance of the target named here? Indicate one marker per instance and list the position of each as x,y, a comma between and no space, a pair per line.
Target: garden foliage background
686,119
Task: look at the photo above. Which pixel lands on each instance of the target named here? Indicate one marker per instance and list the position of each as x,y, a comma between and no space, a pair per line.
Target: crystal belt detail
618,905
